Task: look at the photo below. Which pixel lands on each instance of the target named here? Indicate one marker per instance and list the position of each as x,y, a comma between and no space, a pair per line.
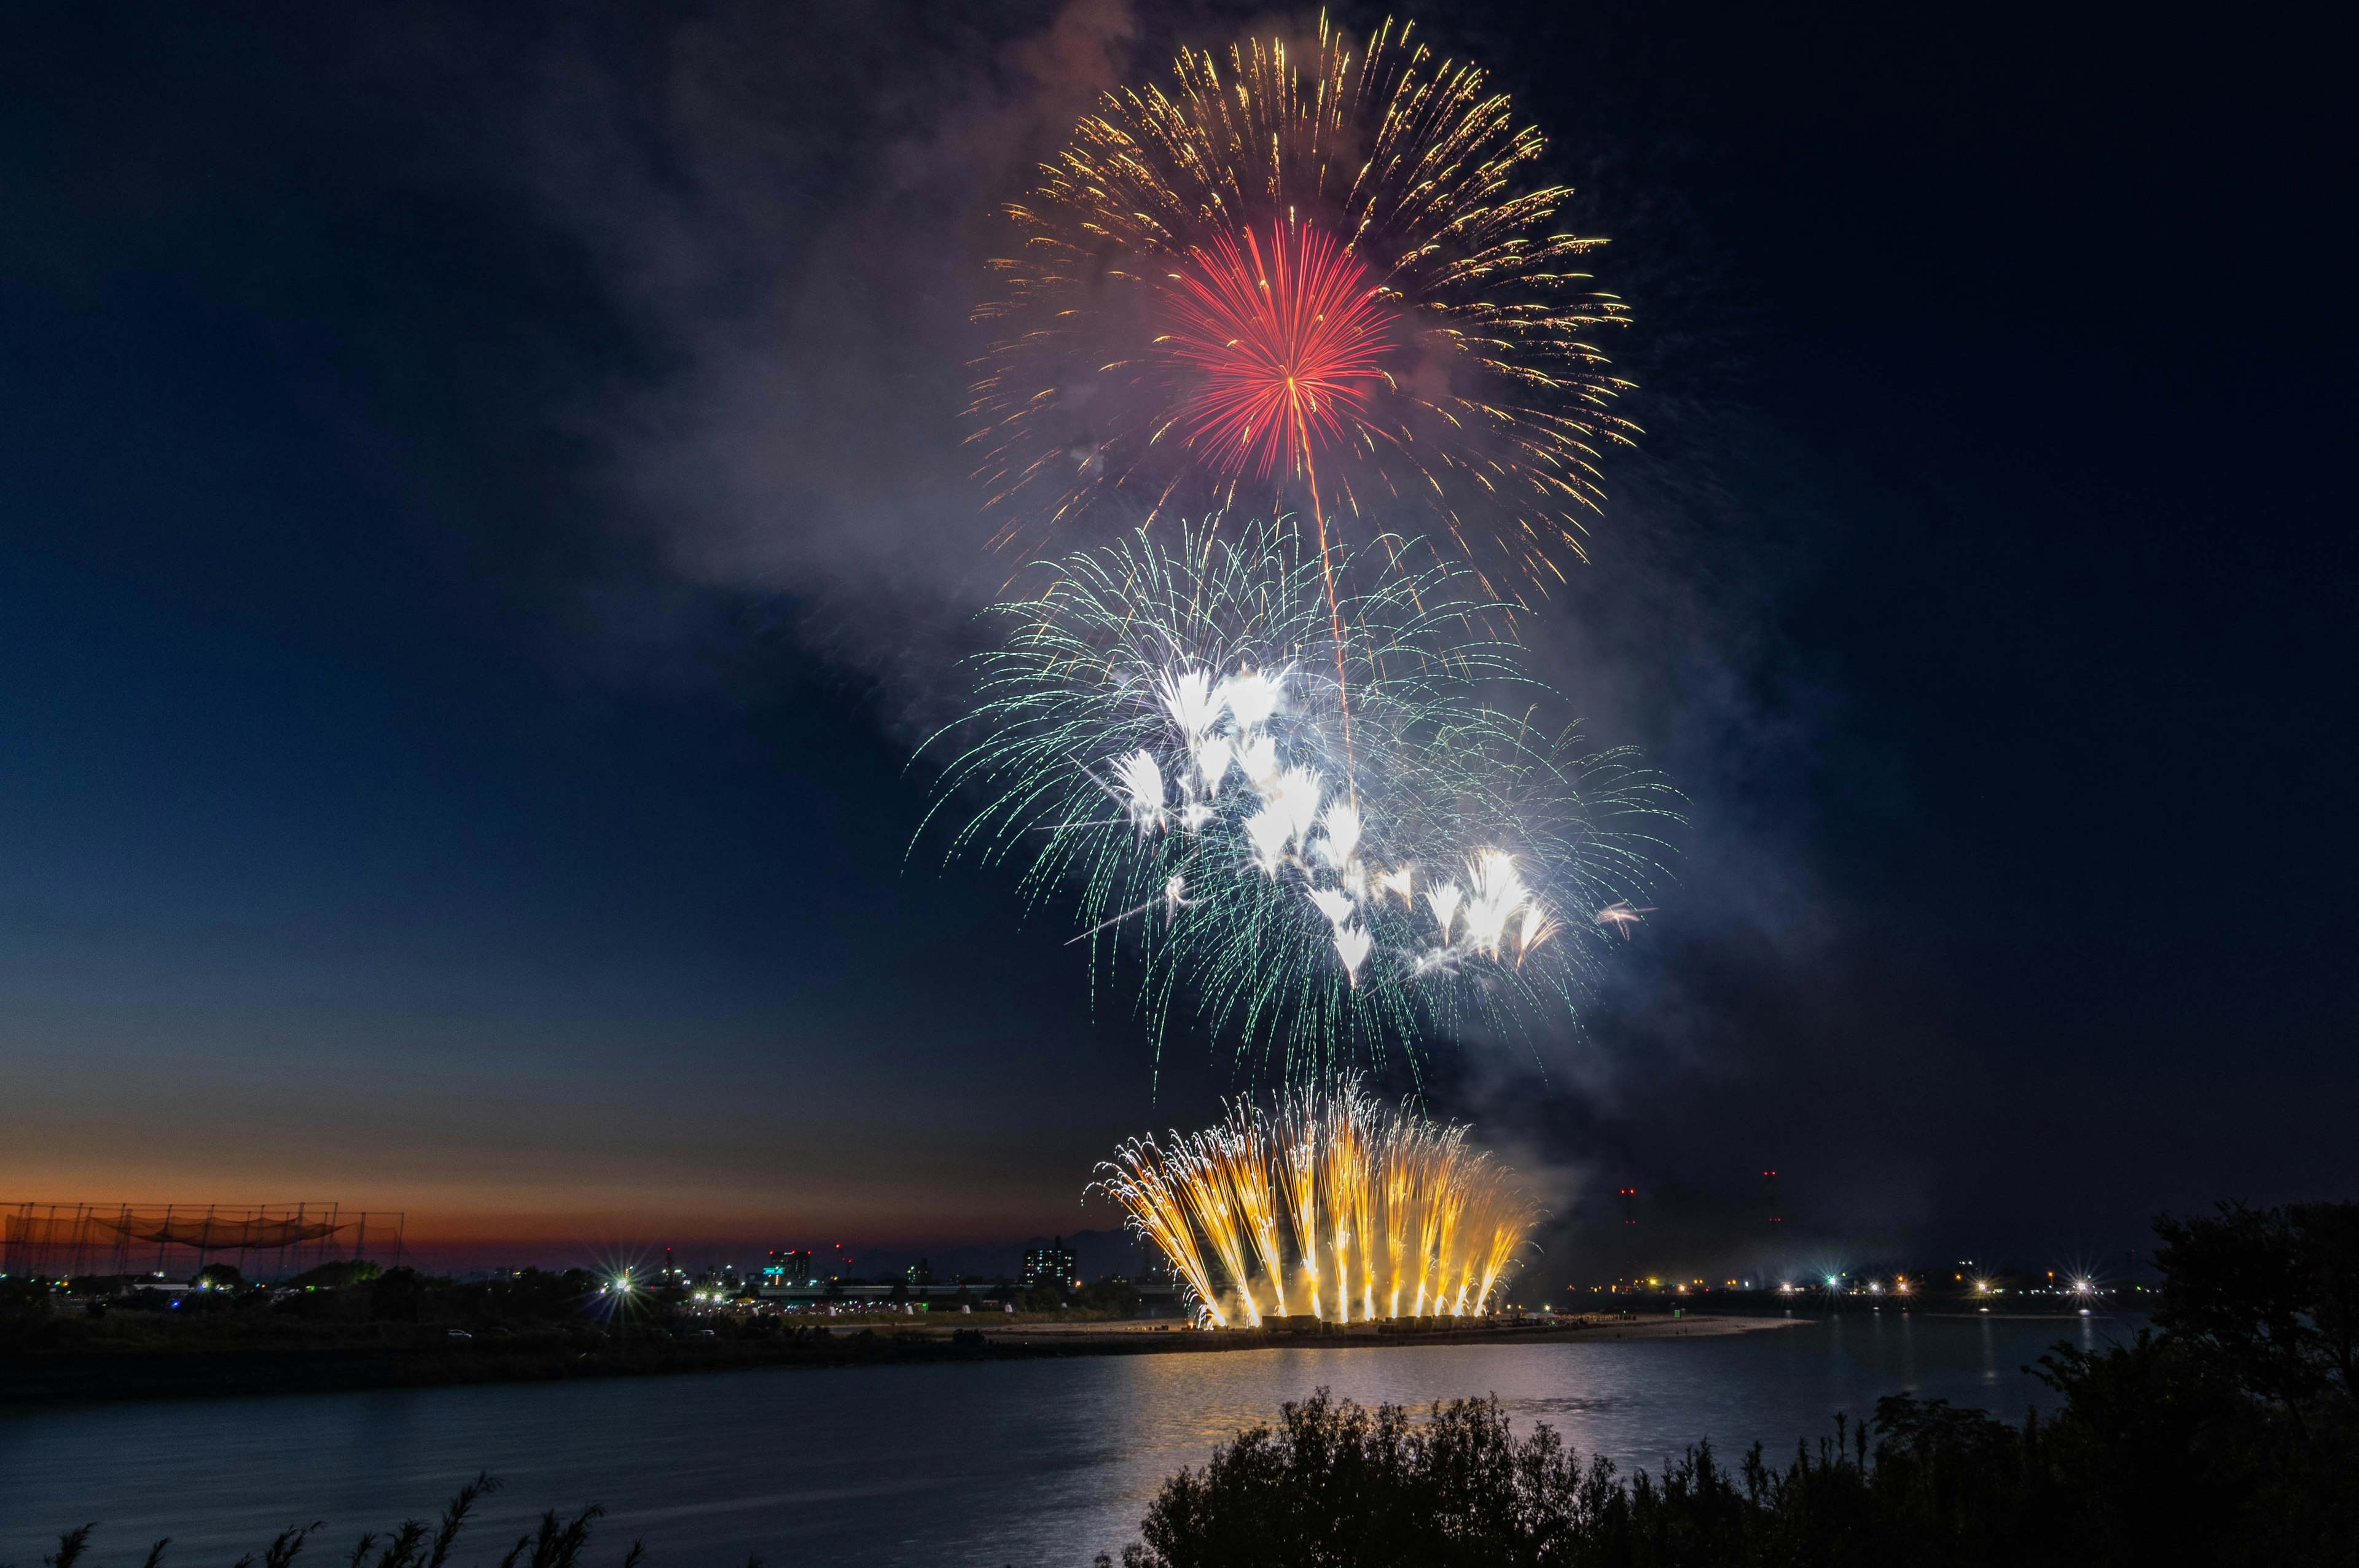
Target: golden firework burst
1325,1205
1304,279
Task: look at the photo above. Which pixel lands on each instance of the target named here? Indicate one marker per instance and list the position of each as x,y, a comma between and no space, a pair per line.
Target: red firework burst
1285,348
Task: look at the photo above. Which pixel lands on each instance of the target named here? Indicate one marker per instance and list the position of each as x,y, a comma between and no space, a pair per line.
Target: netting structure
61,1241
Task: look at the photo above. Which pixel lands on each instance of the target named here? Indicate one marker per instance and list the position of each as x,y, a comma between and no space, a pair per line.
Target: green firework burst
1322,827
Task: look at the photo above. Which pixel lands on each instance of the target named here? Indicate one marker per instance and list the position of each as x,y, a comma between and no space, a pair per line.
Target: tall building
1051,1265
922,1272
787,1269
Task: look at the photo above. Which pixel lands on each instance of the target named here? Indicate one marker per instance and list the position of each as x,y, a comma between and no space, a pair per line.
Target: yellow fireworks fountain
1326,1203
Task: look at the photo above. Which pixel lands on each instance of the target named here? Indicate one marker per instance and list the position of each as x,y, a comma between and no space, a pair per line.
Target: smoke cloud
792,210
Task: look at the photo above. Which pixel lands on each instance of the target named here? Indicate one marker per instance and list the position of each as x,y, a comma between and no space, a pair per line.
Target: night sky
483,530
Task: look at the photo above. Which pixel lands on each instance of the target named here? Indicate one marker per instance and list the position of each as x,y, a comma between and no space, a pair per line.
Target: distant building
1051,1265
922,1272
787,1269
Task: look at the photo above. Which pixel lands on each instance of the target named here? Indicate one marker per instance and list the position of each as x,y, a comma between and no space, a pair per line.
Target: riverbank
83,1376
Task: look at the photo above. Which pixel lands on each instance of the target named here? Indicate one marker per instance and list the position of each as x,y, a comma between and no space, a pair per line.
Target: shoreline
36,1379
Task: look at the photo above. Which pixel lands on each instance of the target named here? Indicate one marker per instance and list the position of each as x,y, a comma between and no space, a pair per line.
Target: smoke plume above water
793,215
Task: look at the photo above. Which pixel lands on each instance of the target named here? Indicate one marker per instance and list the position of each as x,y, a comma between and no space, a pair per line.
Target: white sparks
1351,946
1335,906
1343,824
1139,779
1187,697
1537,928
1498,897
1267,832
1250,700
1214,754
1443,900
1258,757
1294,796
1619,916
1294,824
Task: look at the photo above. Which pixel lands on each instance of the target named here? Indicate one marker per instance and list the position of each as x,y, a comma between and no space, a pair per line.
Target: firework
1326,1204
1317,277
1162,739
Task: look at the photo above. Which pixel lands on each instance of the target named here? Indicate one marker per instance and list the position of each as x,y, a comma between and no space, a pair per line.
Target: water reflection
1010,1462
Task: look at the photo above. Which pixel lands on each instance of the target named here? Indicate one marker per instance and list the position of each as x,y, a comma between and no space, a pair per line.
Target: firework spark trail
1157,1211
1253,1188
1287,350
1286,268
1294,1149
1151,737
1379,1204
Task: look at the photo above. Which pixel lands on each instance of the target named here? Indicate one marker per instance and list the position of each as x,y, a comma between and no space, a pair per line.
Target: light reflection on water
1027,1462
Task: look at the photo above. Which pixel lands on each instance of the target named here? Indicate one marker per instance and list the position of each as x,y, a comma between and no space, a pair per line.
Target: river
1006,1462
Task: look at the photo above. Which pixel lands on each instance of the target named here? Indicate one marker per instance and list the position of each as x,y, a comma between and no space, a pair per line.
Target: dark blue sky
482,529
